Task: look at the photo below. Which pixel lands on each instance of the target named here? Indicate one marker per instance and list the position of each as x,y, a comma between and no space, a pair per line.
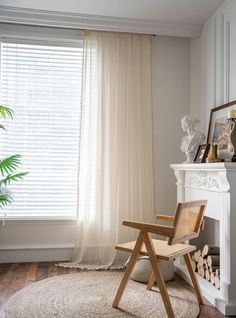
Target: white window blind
42,84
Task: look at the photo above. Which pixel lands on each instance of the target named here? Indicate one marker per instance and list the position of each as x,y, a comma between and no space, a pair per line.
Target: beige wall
171,100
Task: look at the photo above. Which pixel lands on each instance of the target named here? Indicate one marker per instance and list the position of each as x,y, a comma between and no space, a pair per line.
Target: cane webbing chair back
187,221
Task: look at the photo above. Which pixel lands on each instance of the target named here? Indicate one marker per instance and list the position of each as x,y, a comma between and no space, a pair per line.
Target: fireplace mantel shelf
205,166
216,183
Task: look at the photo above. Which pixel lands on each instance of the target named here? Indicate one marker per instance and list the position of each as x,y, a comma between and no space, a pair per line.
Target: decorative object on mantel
219,129
206,263
232,137
202,153
193,139
212,154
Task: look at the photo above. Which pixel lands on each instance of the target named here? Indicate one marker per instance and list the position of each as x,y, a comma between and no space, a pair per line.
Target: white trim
38,220
82,21
36,247
55,254
208,291
226,5
56,36
218,166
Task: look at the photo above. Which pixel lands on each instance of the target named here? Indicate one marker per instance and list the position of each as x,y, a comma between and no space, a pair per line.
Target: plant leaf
5,199
10,164
6,112
13,177
2,127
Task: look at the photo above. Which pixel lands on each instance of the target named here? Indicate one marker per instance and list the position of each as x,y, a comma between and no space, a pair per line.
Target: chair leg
152,278
192,274
129,269
158,275
151,281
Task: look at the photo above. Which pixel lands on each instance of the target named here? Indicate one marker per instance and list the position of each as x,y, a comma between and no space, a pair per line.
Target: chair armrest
152,228
165,218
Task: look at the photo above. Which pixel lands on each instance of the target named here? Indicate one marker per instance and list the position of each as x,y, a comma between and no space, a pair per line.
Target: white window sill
38,219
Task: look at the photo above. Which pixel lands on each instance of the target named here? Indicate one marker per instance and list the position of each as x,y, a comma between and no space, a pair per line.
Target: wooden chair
186,225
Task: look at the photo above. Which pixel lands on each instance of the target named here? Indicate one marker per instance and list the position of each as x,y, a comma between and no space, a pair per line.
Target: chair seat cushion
143,269
162,249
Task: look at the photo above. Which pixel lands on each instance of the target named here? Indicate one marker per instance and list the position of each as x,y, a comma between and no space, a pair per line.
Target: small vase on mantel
232,137
212,154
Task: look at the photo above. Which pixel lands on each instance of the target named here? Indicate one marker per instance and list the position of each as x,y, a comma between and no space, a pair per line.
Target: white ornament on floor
193,139
143,269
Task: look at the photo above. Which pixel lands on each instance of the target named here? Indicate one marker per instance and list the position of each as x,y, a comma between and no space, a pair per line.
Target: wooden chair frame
169,232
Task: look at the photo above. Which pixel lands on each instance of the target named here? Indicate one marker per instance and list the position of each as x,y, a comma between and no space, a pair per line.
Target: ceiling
179,11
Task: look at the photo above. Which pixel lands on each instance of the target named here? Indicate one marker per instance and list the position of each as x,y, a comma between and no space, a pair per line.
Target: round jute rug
90,295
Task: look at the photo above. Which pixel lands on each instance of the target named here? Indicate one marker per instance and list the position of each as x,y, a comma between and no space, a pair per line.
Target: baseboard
35,255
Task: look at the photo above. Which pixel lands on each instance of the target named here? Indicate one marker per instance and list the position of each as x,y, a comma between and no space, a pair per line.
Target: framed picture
202,153
219,129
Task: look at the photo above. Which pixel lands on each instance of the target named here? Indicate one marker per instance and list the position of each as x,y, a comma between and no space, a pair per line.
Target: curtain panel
116,150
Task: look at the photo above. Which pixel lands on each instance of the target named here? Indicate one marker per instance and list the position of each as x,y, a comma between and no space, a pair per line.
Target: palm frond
2,127
6,112
10,164
13,177
5,199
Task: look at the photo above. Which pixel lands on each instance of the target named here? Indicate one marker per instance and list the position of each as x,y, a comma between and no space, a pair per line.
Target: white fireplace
215,182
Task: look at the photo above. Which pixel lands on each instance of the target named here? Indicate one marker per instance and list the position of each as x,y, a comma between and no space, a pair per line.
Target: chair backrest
188,221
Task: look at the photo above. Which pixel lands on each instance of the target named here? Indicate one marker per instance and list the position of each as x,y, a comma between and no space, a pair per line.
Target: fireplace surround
215,182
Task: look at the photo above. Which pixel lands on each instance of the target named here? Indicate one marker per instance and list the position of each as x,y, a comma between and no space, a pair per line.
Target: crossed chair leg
156,276
196,286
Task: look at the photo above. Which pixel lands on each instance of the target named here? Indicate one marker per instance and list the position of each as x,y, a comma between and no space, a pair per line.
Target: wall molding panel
218,55
230,54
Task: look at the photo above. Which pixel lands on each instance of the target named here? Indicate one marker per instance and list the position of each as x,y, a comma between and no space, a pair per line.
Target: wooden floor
13,277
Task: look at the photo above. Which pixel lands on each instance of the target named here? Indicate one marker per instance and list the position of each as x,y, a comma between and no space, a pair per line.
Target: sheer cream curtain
116,159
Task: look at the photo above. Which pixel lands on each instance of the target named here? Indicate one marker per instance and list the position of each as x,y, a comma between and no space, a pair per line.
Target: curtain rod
66,28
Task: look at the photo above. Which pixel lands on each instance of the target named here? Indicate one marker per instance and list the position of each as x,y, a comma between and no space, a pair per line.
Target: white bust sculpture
193,139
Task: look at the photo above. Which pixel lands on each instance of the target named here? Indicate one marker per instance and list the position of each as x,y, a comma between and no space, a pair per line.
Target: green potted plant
8,166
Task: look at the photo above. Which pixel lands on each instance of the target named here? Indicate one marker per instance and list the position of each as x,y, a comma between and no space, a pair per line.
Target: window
42,84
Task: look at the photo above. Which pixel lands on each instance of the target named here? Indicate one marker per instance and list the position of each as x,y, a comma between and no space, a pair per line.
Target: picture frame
219,129
202,153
